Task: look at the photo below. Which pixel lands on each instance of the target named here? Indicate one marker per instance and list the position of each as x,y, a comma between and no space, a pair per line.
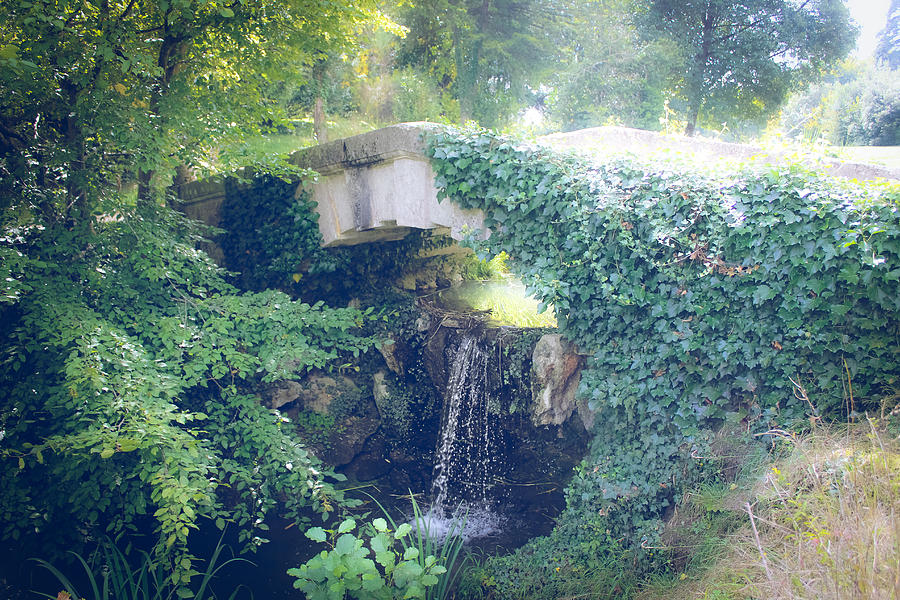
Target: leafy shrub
426,568
346,569
120,341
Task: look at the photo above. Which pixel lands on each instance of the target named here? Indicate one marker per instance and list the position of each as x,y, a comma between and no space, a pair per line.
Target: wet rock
347,439
371,463
318,392
556,372
283,393
379,389
394,353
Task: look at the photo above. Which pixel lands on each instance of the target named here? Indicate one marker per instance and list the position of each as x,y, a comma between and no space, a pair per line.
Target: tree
129,364
888,49
740,59
857,104
490,53
606,71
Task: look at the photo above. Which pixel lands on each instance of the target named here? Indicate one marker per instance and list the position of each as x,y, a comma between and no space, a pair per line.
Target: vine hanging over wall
701,301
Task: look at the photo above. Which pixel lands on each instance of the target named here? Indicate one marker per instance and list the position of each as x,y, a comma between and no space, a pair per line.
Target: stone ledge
404,139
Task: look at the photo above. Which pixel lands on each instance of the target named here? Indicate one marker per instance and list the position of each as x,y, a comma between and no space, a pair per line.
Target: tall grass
823,523
446,549
110,576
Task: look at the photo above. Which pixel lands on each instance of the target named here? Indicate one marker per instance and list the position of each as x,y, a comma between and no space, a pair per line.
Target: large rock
394,353
556,372
316,392
319,391
346,441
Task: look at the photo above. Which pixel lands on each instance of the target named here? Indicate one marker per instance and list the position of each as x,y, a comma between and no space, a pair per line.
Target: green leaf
316,534
763,293
411,553
402,531
346,525
347,543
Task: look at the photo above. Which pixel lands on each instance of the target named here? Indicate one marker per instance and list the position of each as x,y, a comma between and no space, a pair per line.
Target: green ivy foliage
124,357
699,300
272,233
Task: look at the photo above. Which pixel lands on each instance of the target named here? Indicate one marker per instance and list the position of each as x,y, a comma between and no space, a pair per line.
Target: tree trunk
691,128
319,120
697,76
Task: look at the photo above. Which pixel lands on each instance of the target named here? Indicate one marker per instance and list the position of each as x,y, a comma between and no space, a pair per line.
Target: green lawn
888,156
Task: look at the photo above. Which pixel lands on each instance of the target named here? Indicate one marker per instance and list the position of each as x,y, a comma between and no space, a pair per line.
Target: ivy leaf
763,293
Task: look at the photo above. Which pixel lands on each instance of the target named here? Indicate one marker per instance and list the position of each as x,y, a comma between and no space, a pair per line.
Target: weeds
110,576
821,522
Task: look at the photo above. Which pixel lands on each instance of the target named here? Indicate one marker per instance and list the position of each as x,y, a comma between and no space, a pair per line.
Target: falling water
466,456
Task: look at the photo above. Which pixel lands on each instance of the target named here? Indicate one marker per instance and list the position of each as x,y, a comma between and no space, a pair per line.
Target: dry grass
827,526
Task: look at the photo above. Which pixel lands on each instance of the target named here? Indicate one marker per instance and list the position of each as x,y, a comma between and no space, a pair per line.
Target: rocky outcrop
316,392
394,353
556,372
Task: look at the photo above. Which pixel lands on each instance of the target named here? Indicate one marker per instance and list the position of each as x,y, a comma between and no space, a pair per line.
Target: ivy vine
759,300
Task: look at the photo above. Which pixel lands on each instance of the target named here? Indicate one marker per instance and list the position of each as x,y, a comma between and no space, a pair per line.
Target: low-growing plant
111,575
413,562
345,570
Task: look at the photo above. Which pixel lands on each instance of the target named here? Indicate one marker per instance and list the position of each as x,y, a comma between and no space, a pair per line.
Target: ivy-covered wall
761,299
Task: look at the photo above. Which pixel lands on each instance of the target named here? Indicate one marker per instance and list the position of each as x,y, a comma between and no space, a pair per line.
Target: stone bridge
379,185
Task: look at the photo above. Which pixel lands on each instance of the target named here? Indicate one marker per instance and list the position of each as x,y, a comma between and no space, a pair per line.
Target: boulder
315,392
346,441
394,353
318,391
556,372
283,393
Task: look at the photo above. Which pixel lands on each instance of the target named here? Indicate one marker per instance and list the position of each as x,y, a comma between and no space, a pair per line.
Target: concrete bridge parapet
379,186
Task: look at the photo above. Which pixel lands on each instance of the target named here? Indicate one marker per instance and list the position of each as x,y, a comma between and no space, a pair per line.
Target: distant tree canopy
492,54
888,50
740,59
857,104
605,71
581,62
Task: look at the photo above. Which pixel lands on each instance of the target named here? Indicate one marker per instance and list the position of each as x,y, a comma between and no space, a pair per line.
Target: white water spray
466,457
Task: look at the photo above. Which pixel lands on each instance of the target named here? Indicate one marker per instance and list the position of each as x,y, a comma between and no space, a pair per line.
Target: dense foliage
888,50
130,366
701,302
856,105
124,375
717,65
402,568
606,73
740,59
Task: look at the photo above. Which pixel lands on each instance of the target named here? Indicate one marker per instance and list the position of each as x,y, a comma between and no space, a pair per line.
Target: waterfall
467,450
